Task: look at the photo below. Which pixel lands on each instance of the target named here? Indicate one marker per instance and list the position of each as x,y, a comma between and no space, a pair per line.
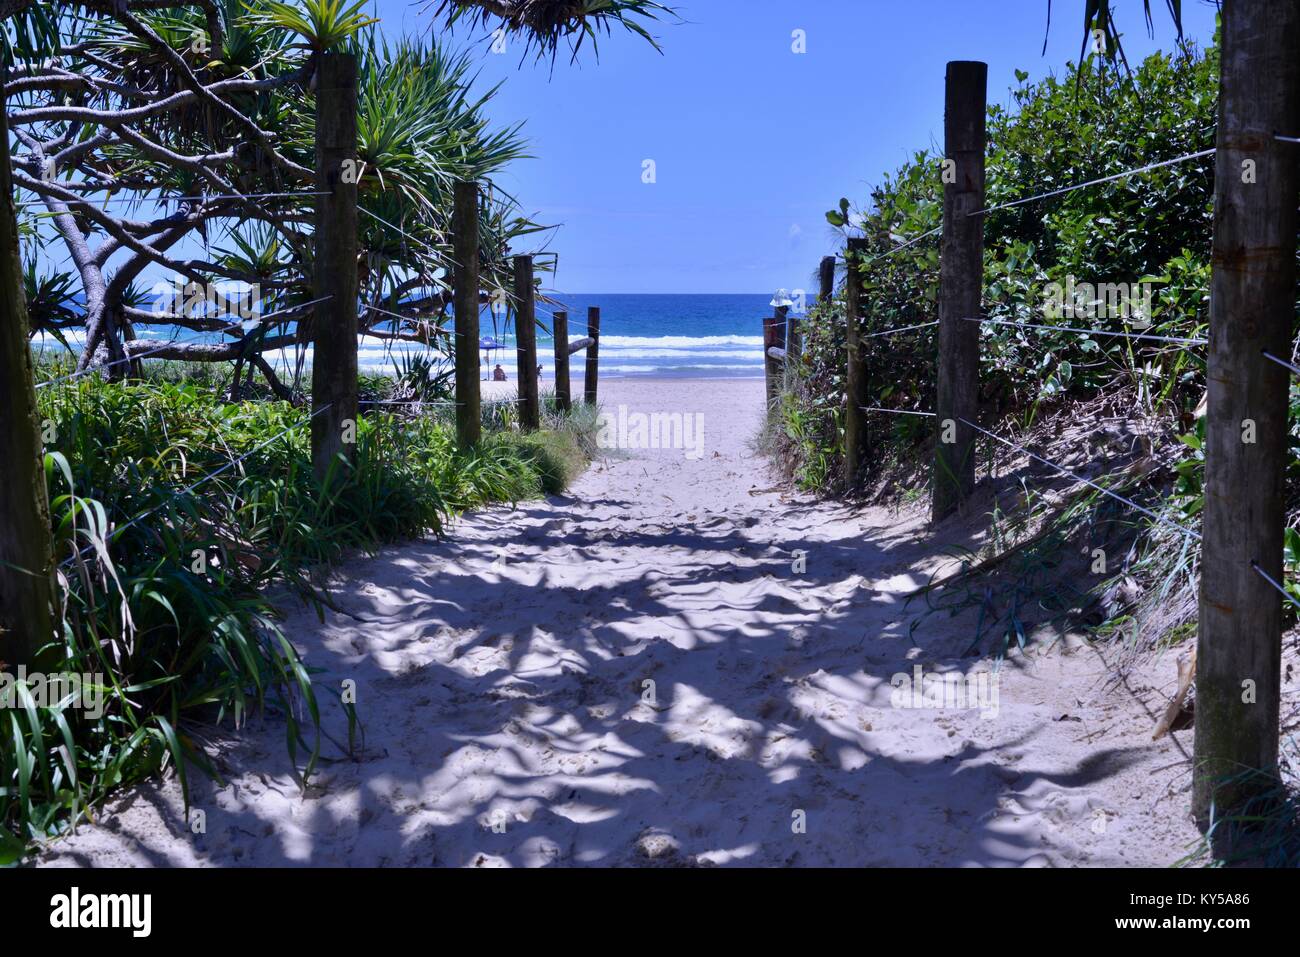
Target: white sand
502,679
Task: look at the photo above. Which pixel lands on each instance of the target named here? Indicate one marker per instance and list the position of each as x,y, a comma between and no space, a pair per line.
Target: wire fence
1126,501
1086,331
1200,154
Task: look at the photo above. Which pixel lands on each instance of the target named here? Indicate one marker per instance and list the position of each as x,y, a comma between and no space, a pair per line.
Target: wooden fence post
560,333
465,305
788,340
1252,309
593,331
855,383
773,339
526,341
26,546
334,352
961,272
826,279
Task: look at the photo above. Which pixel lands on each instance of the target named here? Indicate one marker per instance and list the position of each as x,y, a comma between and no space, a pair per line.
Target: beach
676,663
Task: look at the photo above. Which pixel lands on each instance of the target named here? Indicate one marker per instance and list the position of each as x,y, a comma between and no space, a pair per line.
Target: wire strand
1099,332
911,242
1079,478
872,408
1094,182
427,245
1269,578
1282,362
890,332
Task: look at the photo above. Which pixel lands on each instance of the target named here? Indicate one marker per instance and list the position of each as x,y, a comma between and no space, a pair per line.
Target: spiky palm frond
30,35
545,24
322,24
1099,26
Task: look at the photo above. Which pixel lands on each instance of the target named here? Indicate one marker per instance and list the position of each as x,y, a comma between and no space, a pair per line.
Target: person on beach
499,374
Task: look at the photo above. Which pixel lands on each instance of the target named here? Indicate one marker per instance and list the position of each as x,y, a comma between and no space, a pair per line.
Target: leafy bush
1155,226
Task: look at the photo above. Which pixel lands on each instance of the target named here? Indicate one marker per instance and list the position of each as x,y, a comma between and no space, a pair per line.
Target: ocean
705,336
652,335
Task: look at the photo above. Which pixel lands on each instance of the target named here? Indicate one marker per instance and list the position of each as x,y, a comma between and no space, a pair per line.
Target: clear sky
752,142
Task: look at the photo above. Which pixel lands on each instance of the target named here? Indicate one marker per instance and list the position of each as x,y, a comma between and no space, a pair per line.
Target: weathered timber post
826,279
26,546
334,352
465,305
826,289
961,276
855,382
560,333
593,332
789,333
773,341
1252,309
526,343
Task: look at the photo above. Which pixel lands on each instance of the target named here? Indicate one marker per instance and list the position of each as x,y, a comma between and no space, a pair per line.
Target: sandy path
502,680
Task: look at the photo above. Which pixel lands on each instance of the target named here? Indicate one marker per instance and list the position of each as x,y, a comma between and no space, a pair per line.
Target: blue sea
653,335
691,336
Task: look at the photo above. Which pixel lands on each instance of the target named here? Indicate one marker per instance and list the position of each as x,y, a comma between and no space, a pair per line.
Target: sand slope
502,679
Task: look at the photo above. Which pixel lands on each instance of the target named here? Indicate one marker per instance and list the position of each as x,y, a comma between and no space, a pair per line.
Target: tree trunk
26,549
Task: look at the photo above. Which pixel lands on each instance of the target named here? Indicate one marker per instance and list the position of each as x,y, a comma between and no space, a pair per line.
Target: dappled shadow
503,678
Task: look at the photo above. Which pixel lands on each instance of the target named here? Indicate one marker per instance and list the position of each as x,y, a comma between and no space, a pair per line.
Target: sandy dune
502,677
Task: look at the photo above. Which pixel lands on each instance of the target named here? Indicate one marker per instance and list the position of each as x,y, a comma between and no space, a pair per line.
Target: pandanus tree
156,138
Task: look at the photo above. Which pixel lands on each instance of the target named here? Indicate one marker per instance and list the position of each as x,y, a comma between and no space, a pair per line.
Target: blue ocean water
691,336
657,335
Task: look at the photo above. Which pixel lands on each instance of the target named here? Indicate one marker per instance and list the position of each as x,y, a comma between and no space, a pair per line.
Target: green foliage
321,24
545,24
1152,227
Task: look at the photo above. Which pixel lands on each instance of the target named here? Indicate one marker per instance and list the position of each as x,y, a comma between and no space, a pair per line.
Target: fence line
1100,332
1239,623
1079,478
897,329
1094,182
1282,362
873,408
1269,578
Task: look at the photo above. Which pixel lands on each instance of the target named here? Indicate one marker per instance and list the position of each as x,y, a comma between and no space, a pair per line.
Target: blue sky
752,142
